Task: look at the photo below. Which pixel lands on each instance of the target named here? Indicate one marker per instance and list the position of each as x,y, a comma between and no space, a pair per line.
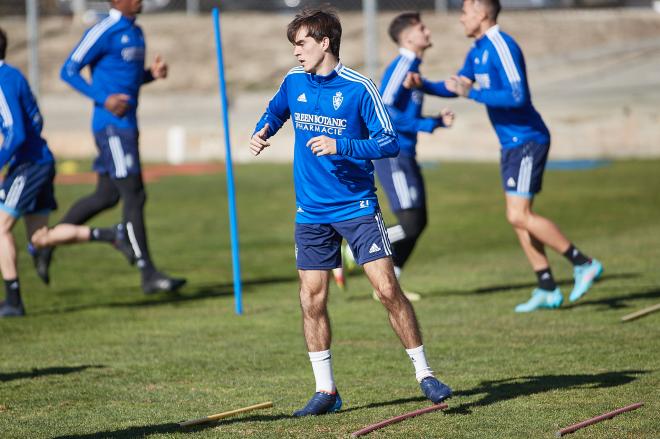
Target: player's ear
325,43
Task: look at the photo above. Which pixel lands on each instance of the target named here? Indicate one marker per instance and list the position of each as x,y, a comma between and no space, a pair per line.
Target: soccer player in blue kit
494,74
401,176
340,125
114,50
27,190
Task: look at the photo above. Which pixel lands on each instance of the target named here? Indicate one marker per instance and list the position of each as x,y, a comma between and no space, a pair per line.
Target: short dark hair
3,44
493,8
320,23
402,22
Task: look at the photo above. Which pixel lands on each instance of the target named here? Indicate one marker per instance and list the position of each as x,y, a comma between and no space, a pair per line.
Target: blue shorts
118,152
318,246
402,181
522,169
28,190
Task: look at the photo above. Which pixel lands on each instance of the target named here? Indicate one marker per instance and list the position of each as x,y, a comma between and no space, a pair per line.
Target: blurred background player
401,176
114,50
27,189
494,74
340,125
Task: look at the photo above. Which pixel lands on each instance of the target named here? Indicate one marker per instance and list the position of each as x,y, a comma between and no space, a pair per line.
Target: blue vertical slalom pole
231,193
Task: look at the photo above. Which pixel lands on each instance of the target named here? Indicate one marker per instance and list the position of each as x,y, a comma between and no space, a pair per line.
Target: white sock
422,369
397,272
322,367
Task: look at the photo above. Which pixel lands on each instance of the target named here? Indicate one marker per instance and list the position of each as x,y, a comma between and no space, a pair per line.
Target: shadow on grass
617,302
508,287
385,403
511,388
35,373
148,430
200,292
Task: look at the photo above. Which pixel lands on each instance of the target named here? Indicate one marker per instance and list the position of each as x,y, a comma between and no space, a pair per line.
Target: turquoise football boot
585,276
542,299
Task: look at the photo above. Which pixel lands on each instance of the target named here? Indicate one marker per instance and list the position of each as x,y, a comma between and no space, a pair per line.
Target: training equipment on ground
212,418
641,313
542,299
608,415
231,192
320,404
585,276
368,429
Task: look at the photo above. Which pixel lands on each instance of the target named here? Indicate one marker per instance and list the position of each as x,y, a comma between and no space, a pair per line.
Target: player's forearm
507,98
437,89
369,149
13,139
70,74
274,123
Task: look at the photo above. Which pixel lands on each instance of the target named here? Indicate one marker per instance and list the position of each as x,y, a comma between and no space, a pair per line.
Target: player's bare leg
401,314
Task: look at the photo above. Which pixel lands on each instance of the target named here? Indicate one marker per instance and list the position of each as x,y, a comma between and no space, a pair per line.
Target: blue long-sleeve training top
404,105
497,66
20,120
345,106
114,50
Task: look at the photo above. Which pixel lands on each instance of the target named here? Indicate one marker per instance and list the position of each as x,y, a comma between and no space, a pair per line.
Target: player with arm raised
494,74
340,125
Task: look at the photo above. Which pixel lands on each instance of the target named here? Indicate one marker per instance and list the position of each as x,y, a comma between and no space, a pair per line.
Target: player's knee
39,238
312,300
413,222
389,293
517,218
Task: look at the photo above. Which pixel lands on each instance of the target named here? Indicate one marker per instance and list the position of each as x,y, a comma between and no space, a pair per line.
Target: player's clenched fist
447,117
322,145
258,141
413,80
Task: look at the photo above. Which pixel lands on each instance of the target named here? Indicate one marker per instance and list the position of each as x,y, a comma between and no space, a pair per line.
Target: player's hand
447,116
258,141
459,85
322,145
159,68
413,80
117,104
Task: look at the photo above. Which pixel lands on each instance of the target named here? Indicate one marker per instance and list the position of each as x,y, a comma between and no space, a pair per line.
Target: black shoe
161,283
122,244
41,259
7,310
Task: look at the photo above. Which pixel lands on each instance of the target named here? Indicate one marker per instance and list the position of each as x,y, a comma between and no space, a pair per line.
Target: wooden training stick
368,429
223,415
641,313
608,415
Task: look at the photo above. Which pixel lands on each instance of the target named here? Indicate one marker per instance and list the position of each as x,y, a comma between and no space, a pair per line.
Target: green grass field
95,358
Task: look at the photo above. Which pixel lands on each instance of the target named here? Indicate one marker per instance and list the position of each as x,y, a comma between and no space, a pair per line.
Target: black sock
575,256
546,281
13,292
105,235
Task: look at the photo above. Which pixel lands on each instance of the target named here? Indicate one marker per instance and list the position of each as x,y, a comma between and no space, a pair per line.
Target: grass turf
95,358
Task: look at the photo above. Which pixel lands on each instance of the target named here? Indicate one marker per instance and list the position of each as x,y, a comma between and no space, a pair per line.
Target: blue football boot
435,390
542,299
585,275
320,404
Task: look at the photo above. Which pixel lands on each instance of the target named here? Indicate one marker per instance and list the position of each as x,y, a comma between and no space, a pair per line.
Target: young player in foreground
340,125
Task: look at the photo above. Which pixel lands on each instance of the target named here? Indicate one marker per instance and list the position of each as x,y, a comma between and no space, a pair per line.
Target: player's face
309,52
418,36
128,7
471,18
